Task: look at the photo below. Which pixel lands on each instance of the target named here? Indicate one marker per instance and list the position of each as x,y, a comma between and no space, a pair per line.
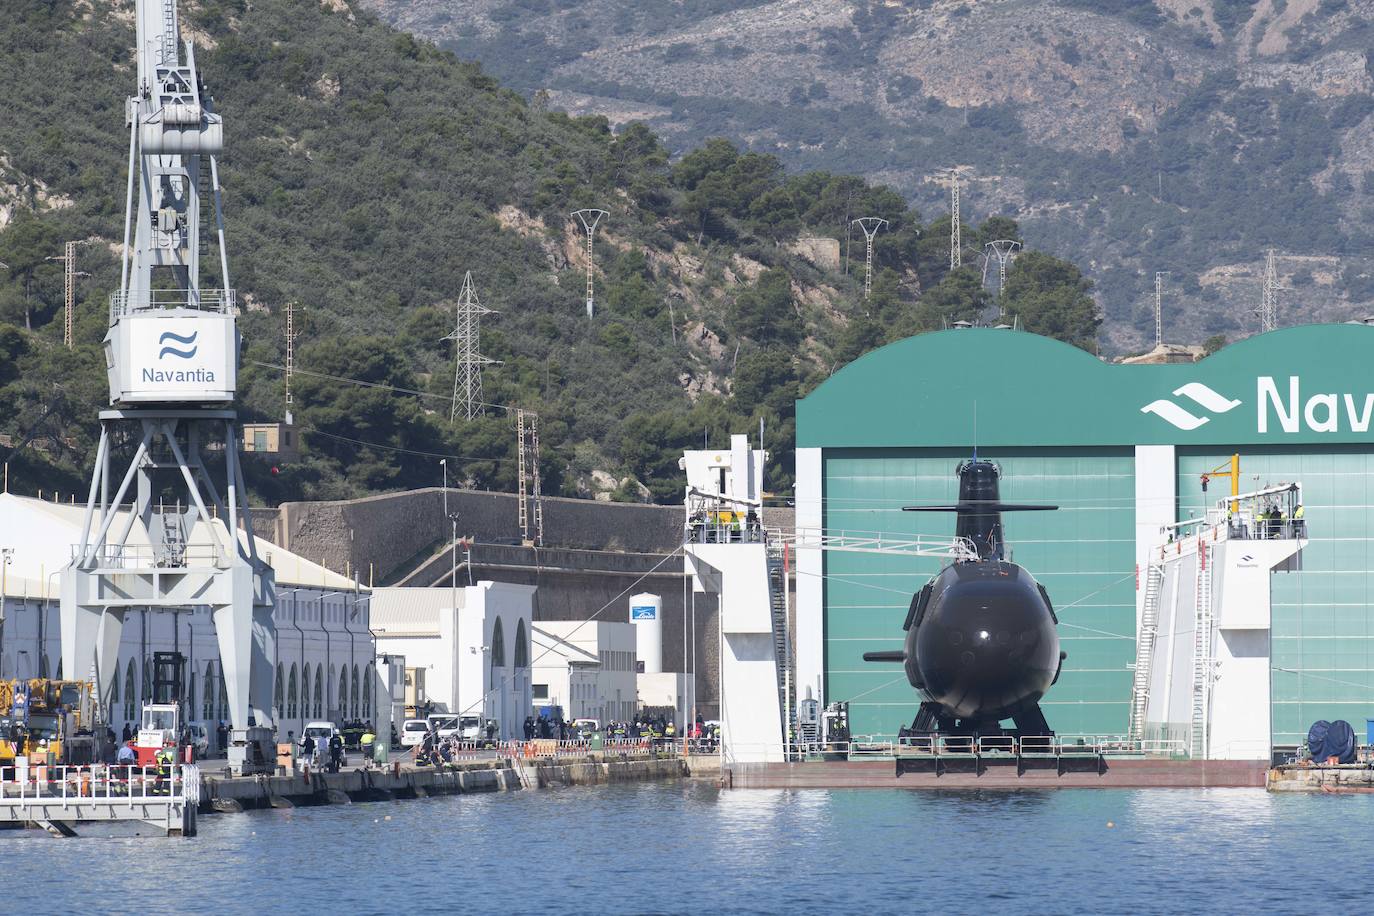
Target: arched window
522,647
291,694
208,694
354,707
43,665
191,691
277,688
147,680
367,694
223,694
343,692
114,693
130,693
319,691
498,645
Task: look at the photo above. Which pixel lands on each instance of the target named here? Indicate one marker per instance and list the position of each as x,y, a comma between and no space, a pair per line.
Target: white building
476,658
587,667
324,649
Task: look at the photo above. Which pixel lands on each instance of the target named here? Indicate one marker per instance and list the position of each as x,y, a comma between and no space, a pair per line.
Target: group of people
329,753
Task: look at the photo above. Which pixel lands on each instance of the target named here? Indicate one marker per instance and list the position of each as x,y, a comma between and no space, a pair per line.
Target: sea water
691,848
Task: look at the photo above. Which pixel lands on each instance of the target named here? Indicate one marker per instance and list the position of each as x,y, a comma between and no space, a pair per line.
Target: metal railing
136,556
223,301
129,785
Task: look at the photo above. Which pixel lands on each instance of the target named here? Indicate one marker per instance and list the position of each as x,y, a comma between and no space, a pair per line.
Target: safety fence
457,751
23,785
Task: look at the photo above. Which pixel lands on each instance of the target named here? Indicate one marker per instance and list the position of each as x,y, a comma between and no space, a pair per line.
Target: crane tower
172,354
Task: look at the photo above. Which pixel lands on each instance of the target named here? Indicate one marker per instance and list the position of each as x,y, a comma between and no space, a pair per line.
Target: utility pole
870,226
590,217
1159,307
70,273
530,499
1269,301
468,361
290,353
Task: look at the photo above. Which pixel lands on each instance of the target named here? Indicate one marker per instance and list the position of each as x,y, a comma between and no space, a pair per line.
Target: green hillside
365,173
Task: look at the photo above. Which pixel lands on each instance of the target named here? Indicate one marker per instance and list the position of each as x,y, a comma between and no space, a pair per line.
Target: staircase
782,644
1145,651
1202,654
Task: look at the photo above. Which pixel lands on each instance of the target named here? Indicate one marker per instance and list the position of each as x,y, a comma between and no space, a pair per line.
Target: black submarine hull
983,646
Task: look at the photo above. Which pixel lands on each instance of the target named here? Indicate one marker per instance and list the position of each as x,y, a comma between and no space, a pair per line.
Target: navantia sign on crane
174,356
1303,385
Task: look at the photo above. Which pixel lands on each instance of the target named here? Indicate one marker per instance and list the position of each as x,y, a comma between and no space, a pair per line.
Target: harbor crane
172,353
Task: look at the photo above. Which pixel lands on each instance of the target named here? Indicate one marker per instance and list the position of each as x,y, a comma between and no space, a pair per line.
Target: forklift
49,719
160,725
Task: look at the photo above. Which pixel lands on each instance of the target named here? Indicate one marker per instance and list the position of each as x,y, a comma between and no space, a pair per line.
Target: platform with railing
222,301
59,798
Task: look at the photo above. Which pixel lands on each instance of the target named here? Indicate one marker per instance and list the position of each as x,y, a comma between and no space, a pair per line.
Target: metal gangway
59,798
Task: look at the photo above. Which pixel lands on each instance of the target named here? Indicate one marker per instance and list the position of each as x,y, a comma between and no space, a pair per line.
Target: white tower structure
467,341
1002,250
172,353
589,218
870,226
646,613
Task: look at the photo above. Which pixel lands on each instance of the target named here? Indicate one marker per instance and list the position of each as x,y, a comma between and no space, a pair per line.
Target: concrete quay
225,794
1334,778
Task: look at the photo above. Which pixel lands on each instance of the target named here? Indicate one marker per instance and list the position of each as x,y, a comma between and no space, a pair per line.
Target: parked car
201,738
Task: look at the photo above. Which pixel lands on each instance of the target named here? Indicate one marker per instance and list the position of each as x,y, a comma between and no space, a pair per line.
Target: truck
51,718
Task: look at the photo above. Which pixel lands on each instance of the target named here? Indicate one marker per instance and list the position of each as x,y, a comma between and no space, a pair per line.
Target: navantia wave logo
187,341
1183,418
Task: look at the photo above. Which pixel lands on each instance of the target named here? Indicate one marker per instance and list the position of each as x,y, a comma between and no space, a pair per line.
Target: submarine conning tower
979,517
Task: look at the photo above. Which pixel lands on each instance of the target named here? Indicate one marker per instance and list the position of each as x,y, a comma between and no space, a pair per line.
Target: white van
413,732
321,732
465,728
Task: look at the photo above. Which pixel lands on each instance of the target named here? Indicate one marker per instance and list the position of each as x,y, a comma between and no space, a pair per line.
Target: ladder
1145,651
1202,653
782,643
169,33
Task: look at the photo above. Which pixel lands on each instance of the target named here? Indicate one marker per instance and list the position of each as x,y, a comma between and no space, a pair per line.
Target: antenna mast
956,236
589,218
531,504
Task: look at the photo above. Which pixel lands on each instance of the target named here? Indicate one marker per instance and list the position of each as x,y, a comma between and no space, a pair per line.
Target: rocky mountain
366,173
1131,136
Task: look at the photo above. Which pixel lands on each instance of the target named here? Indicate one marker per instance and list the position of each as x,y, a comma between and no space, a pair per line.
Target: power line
379,385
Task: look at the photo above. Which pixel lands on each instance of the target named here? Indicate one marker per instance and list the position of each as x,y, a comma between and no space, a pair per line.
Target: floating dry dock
1058,767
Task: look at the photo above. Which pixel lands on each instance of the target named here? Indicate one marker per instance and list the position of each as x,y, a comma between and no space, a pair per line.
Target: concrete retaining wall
227,795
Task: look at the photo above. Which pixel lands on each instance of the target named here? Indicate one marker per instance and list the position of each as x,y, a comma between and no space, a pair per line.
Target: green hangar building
1122,450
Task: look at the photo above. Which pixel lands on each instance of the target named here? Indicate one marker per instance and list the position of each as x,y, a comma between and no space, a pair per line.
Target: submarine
981,640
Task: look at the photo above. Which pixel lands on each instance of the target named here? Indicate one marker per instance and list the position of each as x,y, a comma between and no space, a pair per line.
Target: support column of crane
468,361
870,226
173,349
590,216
